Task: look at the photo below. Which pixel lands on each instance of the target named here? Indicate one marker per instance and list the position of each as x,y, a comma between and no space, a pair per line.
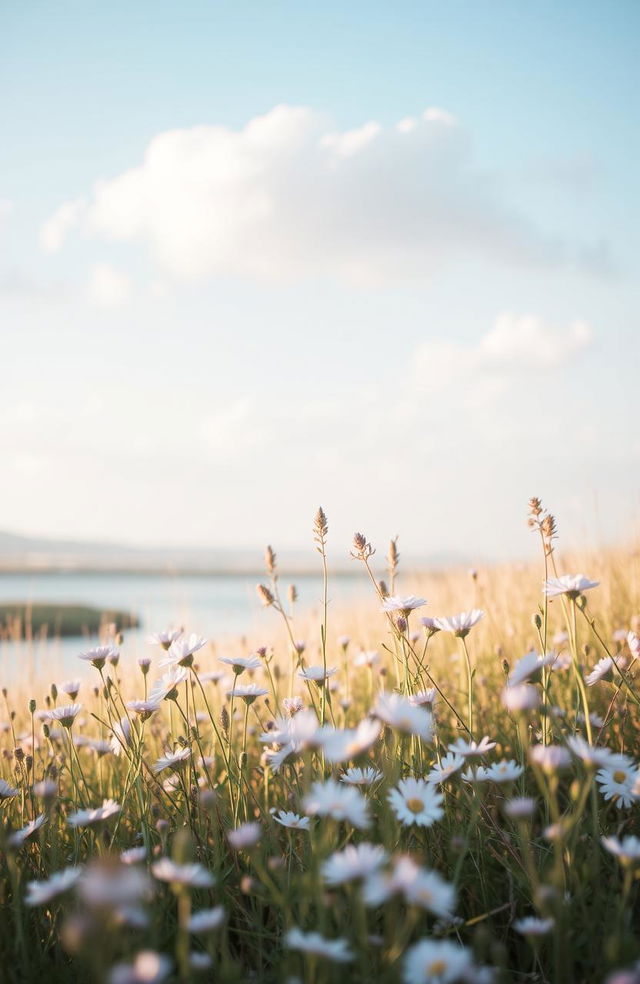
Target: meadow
440,785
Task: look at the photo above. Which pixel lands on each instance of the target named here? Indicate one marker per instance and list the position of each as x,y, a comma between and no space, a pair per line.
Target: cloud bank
288,196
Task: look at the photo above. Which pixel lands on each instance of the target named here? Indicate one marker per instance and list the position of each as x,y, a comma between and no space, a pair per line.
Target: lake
220,607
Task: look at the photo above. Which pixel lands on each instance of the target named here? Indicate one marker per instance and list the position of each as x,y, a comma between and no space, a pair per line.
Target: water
220,607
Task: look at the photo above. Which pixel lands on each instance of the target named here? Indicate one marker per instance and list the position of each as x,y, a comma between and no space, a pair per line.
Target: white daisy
206,920
519,808
292,820
570,584
144,708
339,802
340,746
399,713
247,693
429,891
550,758
194,875
443,770
18,837
99,655
529,667
460,625
353,863
627,849
472,749
246,835
7,791
133,855
182,651
165,638
65,715
601,671
533,926
617,784
148,967
436,962
70,688
173,760
361,777
91,817
241,663
41,892
404,605
337,950
317,674
366,657
414,801
167,685
522,697
424,698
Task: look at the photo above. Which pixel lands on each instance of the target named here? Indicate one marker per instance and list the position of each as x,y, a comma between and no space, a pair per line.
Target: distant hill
23,553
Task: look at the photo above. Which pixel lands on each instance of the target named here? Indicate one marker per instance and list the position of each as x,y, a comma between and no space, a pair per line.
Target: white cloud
56,229
526,341
288,196
107,286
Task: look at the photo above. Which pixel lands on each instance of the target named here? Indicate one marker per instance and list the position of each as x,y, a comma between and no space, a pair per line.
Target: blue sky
419,324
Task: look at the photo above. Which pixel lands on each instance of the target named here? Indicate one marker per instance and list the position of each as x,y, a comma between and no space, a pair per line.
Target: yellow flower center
619,776
415,805
436,967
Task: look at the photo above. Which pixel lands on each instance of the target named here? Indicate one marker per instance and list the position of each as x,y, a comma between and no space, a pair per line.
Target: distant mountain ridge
25,553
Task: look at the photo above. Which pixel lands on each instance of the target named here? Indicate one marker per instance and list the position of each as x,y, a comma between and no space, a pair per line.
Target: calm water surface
220,607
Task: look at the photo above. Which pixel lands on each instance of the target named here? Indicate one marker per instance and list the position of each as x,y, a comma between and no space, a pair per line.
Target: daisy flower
429,891
65,715
165,638
99,655
292,820
182,651
337,950
41,892
444,769
550,758
148,967
430,624
366,657
436,962
472,749
100,814
626,850
504,771
361,777
602,670
522,697
331,799
353,863
461,625
194,875
533,926
6,791
571,585
317,674
246,835
292,705
18,837
403,605
70,688
206,920
143,708
416,801
248,693
241,663
167,686
617,783
519,807
424,698
342,745
399,713
133,855
173,760
529,666
590,754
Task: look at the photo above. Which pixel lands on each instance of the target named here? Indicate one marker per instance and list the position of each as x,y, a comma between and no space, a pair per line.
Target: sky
260,257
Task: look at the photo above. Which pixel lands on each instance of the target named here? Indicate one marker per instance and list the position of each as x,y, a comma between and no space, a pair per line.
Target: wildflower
519,807
65,715
292,705
248,693
292,820
98,656
533,926
590,754
436,962
206,920
193,875
353,863
246,835
430,624
18,837
402,605
570,584
144,708
111,885
148,967
340,746
182,651
472,749
134,855
416,801
42,892
46,790
529,667
618,784
99,745
317,674
144,662
361,777
241,663
550,758
331,799
461,625
91,817
173,760
337,950
211,676
165,638
626,850
366,657
602,670
167,686
343,641
6,791
444,769
70,688
398,712
121,736
429,891
522,697
424,698
199,960
633,642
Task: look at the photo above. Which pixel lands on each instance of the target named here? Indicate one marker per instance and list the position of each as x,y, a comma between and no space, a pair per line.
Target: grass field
410,791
